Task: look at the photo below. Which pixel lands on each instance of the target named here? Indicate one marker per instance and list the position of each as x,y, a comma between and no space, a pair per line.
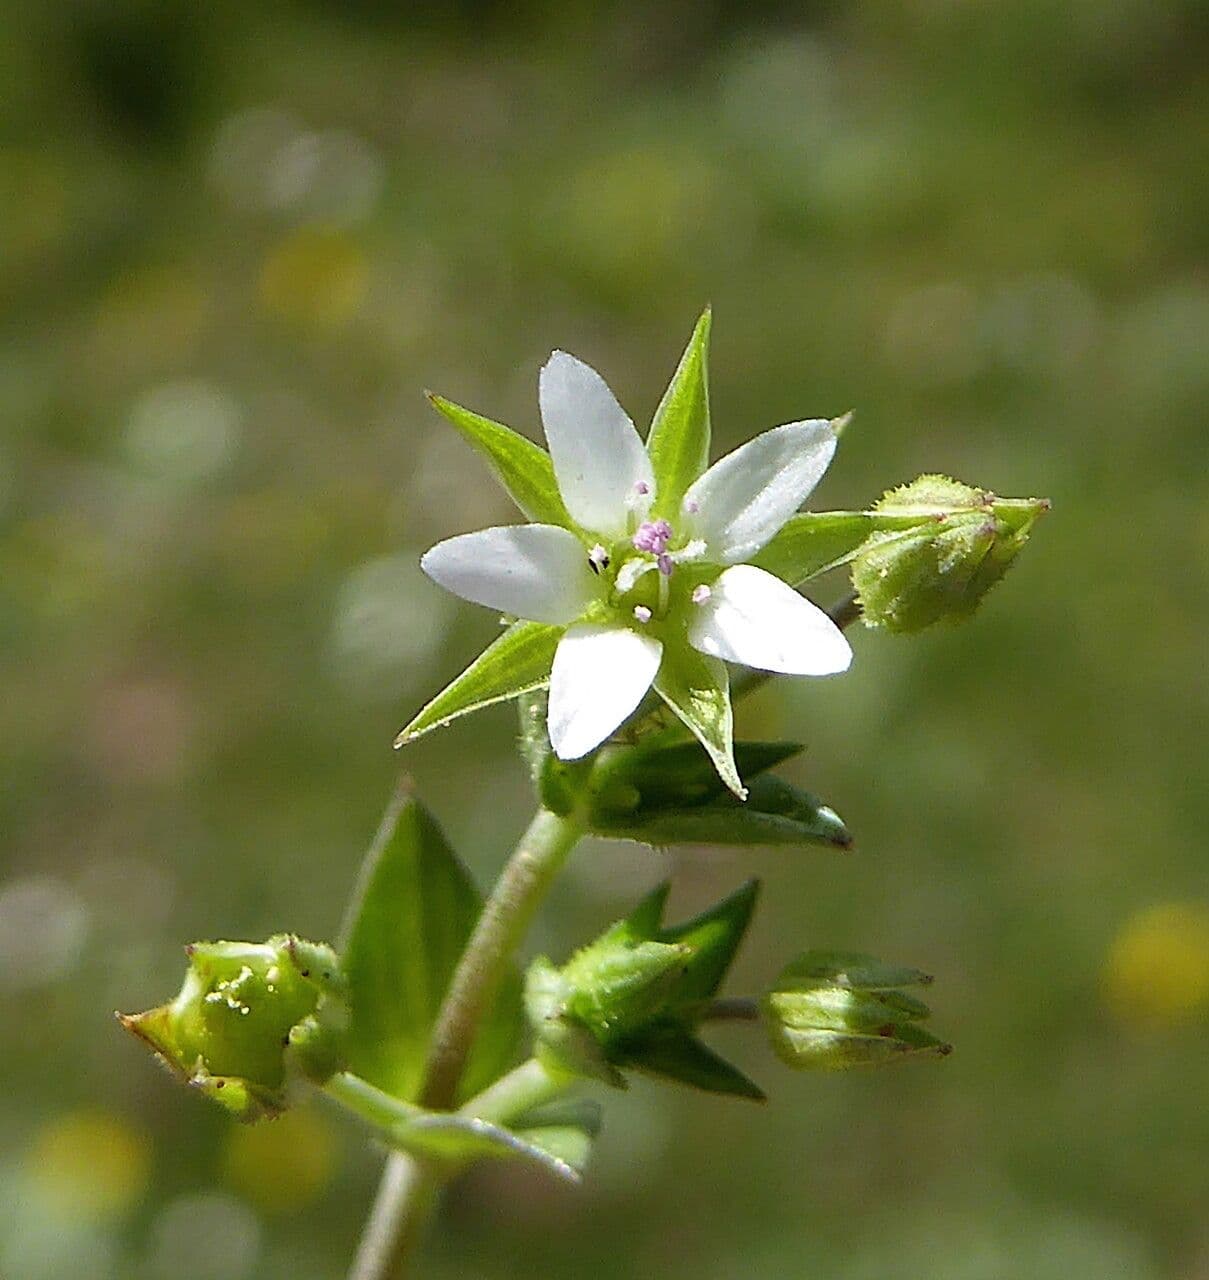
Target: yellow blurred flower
314,277
1157,970
89,1164
281,1165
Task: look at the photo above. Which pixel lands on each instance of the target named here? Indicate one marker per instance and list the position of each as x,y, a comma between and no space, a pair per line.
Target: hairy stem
407,1194
501,928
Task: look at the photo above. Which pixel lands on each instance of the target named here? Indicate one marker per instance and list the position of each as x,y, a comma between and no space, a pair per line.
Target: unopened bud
831,1011
634,997
247,1013
940,569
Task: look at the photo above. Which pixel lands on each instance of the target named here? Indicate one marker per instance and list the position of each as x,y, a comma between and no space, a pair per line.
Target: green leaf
461,1138
412,914
697,689
516,662
678,443
775,813
661,771
679,1056
564,1130
522,467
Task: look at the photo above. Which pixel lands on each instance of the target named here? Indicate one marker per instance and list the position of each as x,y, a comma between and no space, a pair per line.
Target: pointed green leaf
564,1130
462,1138
522,467
516,662
697,689
678,443
775,813
662,771
412,914
679,1056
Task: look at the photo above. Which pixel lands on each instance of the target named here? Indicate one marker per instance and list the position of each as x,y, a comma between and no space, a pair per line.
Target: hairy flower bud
939,570
247,1016
634,997
831,1011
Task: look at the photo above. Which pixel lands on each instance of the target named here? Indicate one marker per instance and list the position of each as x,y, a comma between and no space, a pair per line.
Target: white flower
637,594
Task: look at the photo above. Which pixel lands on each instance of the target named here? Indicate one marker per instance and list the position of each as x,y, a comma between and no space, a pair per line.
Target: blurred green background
236,242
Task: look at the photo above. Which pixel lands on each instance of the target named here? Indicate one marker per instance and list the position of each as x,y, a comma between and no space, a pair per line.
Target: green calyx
634,997
940,569
831,1011
248,1017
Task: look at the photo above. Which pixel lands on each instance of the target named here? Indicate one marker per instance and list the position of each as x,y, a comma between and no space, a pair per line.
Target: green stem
505,919
407,1194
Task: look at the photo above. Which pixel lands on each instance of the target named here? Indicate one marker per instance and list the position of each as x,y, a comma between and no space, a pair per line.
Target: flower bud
831,1011
633,997
939,570
248,1015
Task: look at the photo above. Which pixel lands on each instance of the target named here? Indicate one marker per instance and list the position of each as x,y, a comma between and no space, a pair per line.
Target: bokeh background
237,241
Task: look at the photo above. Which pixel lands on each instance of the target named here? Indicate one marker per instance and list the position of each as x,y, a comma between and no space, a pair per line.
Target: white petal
600,675
744,498
598,456
753,618
535,571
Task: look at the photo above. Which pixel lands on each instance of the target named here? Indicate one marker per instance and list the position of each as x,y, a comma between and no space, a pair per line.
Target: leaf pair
411,917
663,791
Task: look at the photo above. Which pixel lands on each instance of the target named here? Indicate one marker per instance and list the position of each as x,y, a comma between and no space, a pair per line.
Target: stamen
653,536
642,613
642,488
701,593
598,558
666,564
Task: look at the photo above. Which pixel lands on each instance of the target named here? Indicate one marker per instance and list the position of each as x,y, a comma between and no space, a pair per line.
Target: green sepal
661,771
249,1018
811,1049
411,917
852,969
533,741
697,689
522,467
675,1055
515,663
678,443
812,542
843,1009
774,813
